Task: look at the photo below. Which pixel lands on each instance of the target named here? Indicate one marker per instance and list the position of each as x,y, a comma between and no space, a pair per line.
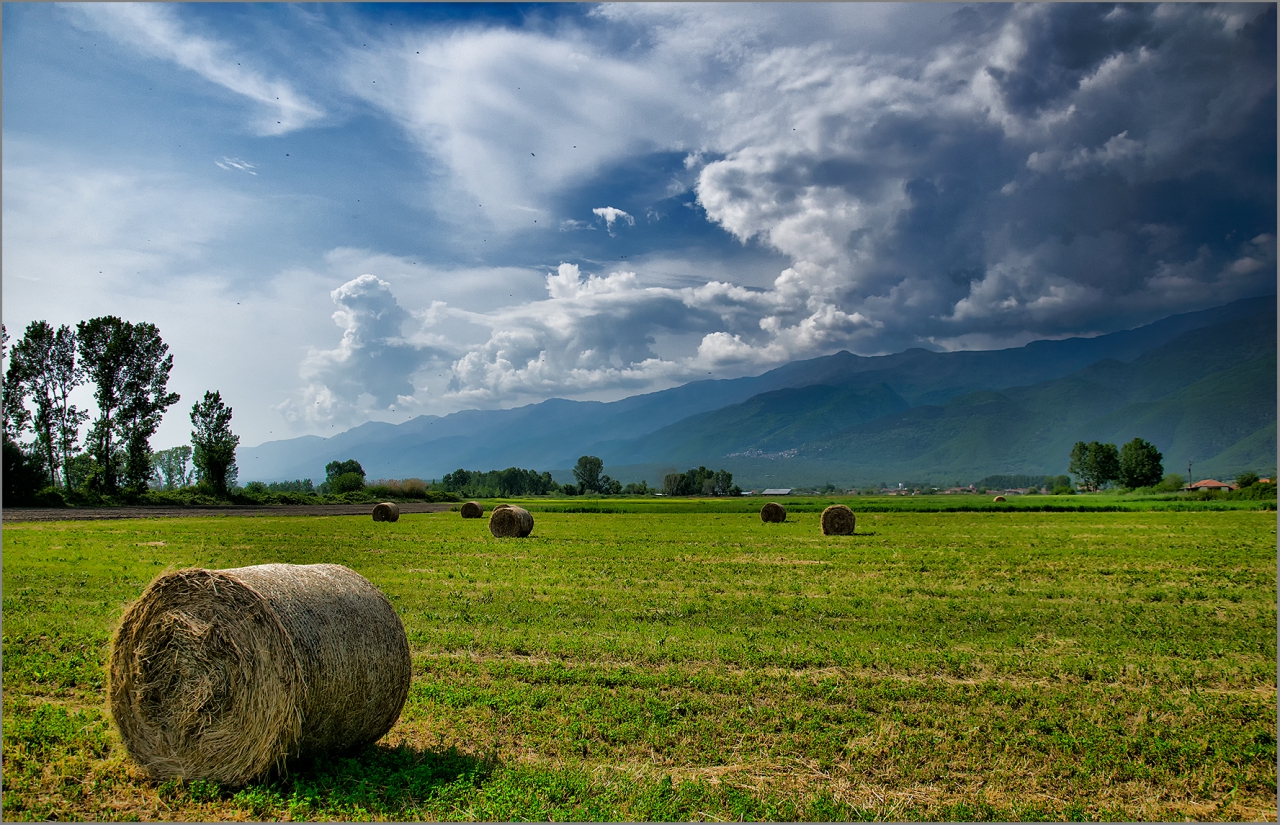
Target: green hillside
1208,396
1257,452
771,422
1202,421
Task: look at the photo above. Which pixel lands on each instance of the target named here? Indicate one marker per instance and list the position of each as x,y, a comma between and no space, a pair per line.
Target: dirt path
75,513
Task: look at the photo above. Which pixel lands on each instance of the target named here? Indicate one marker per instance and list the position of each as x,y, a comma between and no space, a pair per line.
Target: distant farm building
1211,484
777,491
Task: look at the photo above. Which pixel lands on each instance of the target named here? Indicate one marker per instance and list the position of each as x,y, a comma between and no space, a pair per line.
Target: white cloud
930,175
595,333
154,28
611,215
145,245
372,366
123,225
815,149
516,116
235,163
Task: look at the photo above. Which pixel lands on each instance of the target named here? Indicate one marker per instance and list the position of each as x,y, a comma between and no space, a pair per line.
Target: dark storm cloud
1047,170
1060,169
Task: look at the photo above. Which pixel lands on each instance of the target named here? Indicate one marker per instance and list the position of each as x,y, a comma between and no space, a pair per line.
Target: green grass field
964,503
703,665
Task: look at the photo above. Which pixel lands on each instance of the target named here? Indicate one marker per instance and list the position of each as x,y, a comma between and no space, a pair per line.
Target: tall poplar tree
214,444
129,367
45,363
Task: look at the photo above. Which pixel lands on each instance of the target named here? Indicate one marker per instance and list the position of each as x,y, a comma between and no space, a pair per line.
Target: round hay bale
838,520
386,511
508,522
472,509
225,674
998,498
773,513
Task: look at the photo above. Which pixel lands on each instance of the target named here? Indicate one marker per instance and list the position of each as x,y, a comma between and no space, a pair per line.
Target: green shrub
50,497
1257,491
291,498
348,483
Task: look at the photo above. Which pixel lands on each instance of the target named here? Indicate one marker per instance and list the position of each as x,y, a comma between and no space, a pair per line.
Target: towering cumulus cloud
374,363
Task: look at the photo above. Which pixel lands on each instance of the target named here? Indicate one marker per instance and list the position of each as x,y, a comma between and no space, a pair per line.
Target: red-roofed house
1210,484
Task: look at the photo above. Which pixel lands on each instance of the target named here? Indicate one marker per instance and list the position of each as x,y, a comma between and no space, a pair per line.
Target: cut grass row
707,666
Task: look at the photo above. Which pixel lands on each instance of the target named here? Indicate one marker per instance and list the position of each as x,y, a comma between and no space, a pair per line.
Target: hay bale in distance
472,509
773,513
838,520
386,511
225,674
507,522
998,498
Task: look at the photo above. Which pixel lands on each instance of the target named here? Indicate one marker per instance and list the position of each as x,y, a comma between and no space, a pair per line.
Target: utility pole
1189,479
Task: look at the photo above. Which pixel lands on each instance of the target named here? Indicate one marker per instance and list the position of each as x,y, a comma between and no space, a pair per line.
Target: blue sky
338,213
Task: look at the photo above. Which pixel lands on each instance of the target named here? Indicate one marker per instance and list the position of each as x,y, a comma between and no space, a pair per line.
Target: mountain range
1201,386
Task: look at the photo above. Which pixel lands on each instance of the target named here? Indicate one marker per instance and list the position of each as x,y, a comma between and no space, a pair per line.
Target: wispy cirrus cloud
235,163
157,30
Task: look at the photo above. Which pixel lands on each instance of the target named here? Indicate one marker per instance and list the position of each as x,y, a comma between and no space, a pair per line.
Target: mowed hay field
650,666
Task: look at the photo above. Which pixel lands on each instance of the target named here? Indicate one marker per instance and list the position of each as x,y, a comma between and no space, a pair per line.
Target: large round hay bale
507,521
838,520
225,674
472,509
386,511
773,513
998,498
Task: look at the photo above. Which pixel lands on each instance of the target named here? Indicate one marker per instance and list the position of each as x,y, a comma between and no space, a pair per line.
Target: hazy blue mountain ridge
948,414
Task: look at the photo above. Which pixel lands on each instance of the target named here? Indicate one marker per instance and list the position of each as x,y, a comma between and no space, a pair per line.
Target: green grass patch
1014,664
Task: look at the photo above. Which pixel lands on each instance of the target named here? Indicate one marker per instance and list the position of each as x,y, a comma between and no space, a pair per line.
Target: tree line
1136,464
128,366
591,480
512,481
700,481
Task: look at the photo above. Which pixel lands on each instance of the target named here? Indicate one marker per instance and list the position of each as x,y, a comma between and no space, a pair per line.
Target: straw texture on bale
386,511
773,512
838,520
508,522
472,509
225,674
998,498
